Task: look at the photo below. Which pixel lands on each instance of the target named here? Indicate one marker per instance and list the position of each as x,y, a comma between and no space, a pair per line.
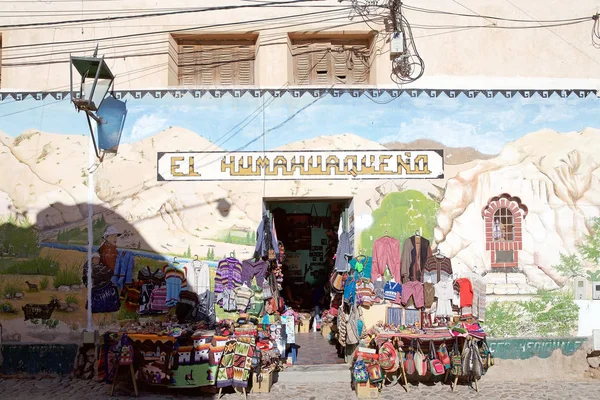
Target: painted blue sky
237,123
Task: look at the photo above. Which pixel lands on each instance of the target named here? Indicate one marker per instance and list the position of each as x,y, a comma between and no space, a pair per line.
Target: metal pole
90,229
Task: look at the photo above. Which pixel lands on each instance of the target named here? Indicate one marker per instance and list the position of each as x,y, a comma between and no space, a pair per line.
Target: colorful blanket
235,365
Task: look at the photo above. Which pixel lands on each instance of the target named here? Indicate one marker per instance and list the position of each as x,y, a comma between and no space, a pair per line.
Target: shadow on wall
43,271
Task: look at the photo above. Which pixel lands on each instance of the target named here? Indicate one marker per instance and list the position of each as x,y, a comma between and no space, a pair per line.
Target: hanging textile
265,238
228,275
201,276
386,253
437,269
415,252
343,248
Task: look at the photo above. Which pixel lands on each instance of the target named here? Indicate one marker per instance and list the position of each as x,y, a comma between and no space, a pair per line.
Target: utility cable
142,34
151,15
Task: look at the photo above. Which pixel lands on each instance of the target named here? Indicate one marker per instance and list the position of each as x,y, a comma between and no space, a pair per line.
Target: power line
432,11
147,54
141,34
163,14
70,49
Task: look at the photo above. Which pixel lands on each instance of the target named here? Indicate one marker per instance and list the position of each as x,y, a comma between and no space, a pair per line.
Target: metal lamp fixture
96,81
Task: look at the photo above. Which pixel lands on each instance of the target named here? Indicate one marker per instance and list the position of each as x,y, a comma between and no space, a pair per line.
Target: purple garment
251,269
228,275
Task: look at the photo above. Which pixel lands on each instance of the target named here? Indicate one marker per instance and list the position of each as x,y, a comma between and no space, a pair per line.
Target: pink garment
386,252
414,289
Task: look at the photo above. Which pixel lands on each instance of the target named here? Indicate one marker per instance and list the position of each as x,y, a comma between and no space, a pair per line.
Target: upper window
322,61
503,225
212,61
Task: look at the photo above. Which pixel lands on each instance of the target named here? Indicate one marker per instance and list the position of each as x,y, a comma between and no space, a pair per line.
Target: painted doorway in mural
308,229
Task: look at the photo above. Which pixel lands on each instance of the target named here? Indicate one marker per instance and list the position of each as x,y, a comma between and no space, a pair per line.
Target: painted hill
452,155
556,175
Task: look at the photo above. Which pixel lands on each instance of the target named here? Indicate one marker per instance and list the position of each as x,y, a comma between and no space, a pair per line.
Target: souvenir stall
177,340
403,313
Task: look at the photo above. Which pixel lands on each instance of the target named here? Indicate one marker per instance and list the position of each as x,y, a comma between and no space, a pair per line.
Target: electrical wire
160,51
432,11
194,28
408,66
272,4
300,20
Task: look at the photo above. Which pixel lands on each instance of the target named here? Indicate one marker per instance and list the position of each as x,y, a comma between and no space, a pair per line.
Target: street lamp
96,81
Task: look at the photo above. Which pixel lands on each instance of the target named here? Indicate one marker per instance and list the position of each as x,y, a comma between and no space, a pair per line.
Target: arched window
503,225
503,216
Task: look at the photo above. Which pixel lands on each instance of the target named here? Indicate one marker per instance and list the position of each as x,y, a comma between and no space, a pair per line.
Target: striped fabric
228,274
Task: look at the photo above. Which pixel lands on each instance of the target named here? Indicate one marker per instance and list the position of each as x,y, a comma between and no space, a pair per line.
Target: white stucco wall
589,316
461,55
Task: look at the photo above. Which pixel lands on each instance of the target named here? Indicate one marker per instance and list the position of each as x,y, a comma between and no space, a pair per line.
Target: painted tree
571,265
400,215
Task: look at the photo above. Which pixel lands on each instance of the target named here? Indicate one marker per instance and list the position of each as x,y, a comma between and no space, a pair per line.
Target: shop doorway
308,229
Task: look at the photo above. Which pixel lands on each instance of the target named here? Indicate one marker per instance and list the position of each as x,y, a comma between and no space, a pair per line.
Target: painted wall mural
509,191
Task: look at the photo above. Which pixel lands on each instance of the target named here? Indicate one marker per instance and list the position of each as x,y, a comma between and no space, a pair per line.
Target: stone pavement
66,389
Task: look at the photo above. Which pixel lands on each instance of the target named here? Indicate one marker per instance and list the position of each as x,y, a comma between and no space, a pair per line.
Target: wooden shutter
302,65
321,56
206,68
245,65
340,66
225,75
360,66
187,69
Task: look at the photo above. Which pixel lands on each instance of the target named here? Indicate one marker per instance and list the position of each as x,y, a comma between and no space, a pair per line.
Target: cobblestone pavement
66,389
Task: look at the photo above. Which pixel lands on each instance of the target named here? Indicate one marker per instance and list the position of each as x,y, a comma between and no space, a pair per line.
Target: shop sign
298,165
524,348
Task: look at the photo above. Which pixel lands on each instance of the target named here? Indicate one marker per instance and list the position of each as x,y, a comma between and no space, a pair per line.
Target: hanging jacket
199,276
265,238
123,269
228,274
341,263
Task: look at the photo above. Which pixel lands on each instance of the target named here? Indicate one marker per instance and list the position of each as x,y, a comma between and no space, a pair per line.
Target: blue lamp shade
113,113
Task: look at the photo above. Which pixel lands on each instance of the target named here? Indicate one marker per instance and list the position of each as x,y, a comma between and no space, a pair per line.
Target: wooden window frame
326,61
212,60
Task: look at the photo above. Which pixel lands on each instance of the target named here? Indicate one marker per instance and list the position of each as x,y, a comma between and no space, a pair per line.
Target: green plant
548,313
7,308
71,299
10,288
34,266
500,318
569,265
399,216
590,247
44,283
68,275
20,235
50,323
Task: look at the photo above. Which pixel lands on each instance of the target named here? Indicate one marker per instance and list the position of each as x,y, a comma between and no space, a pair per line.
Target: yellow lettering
346,165
370,169
228,165
312,169
403,167
425,168
280,164
297,164
192,169
175,166
383,165
332,162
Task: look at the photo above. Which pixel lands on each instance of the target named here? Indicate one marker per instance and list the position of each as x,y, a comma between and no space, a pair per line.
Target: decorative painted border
354,92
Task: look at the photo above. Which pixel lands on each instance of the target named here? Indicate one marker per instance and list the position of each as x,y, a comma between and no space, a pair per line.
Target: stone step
333,373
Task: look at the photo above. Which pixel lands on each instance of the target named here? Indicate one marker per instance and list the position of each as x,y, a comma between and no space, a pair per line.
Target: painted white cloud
451,133
148,125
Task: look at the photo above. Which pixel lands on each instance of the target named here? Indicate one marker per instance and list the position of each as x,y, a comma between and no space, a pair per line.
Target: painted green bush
401,214
18,237
589,250
548,313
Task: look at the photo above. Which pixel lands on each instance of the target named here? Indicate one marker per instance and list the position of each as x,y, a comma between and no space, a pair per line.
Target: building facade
238,107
